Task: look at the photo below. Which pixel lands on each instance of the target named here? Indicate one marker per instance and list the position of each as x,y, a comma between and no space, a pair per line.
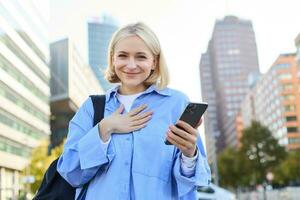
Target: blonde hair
160,75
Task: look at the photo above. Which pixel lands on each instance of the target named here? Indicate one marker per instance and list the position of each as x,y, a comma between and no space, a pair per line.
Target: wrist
105,130
190,154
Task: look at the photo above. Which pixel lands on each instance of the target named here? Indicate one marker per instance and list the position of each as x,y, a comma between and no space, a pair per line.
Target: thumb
120,109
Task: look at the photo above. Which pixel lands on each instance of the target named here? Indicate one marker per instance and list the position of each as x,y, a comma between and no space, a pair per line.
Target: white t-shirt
127,100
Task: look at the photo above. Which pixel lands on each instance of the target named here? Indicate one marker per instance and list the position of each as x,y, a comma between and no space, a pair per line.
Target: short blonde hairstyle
160,75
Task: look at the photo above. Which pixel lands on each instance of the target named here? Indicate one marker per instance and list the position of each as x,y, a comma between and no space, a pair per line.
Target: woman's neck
128,91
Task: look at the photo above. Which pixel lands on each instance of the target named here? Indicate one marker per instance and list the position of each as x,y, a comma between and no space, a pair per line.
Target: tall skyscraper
230,58
100,31
72,81
24,89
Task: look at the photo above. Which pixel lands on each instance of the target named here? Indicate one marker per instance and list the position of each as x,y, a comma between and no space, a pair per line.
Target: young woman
126,151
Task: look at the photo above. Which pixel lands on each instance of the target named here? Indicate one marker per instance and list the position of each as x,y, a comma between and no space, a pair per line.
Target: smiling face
133,62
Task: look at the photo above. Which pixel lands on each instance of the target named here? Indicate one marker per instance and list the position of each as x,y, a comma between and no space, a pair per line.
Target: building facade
225,67
232,55
24,89
275,102
100,31
72,81
297,43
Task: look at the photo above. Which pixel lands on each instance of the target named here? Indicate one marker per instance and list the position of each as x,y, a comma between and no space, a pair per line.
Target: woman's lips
130,74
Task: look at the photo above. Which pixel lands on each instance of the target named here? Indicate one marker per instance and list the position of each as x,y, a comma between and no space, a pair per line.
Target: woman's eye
141,57
122,55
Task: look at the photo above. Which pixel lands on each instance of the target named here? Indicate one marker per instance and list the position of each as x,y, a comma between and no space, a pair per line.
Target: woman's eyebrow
141,53
124,52
138,53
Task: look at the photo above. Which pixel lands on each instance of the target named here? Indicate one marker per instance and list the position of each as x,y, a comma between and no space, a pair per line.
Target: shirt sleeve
186,185
188,165
104,145
83,152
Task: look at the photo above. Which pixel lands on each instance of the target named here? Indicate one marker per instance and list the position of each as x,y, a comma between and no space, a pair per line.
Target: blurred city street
241,57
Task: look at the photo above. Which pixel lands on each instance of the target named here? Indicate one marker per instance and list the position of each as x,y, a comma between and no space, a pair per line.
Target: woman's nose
131,63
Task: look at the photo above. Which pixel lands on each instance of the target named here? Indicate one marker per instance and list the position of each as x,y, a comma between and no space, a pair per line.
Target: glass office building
24,88
72,81
100,31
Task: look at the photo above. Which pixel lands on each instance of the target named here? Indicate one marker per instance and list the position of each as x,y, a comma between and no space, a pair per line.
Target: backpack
55,187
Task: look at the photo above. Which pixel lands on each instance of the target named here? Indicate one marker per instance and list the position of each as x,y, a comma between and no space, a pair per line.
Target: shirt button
128,139
126,163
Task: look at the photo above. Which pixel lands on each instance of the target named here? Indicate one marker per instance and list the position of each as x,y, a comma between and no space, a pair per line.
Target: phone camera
191,108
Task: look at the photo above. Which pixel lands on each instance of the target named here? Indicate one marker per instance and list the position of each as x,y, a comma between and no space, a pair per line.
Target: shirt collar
153,88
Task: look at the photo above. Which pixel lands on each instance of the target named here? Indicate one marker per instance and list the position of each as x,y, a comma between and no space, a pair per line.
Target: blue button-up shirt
138,165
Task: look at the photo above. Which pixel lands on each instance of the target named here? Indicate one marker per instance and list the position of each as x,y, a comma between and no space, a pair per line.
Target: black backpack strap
53,186
99,105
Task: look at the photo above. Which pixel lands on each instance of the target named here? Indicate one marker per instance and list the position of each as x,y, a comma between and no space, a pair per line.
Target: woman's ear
112,60
154,63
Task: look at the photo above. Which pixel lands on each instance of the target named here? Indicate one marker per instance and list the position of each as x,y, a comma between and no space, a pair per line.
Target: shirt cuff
188,165
90,150
104,145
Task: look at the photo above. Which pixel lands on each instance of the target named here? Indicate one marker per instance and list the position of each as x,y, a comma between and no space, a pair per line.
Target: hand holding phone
192,115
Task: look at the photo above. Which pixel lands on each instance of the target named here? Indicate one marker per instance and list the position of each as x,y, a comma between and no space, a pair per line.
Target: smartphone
192,114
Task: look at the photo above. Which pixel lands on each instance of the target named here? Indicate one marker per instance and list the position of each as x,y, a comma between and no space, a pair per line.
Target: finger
183,141
185,126
174,142
137,110
142,115
134,128
182,133
141,121
120,109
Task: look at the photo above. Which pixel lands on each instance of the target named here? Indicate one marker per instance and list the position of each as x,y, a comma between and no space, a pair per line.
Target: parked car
214,192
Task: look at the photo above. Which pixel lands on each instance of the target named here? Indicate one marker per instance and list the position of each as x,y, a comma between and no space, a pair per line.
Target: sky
184,28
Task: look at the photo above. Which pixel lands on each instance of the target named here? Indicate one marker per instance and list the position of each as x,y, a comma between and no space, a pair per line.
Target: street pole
265,193
215,161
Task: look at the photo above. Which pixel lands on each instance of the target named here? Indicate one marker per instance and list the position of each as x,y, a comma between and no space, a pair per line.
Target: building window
282,66
18,76
284,76
288,97
292,129
14,148
287,86
294,140
19,125
22,103
290,108
291,118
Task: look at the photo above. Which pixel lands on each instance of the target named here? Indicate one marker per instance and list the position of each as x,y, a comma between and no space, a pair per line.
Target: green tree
288,172
232,169
261,152
229,168
40,161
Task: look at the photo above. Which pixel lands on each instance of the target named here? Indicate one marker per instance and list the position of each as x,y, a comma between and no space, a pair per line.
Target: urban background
251,128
